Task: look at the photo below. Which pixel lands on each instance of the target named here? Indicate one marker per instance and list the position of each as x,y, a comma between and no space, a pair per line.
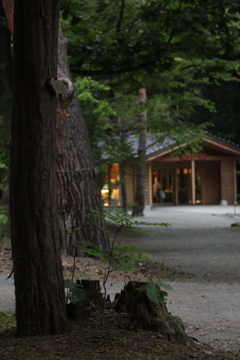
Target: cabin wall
228,181
129,182
218,179
147,186
211,183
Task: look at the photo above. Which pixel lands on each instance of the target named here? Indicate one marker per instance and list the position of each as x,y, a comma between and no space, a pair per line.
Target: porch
208,177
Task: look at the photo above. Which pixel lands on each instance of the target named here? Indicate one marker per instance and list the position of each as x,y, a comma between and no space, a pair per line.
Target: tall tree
39,288
5,74
140,168
78,186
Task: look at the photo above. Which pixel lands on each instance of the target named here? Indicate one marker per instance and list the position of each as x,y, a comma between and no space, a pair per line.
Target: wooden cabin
207,177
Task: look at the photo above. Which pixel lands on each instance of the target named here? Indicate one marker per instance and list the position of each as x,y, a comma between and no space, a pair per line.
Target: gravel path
7,301
203,246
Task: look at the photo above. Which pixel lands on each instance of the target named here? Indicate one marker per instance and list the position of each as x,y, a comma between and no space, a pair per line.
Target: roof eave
229,148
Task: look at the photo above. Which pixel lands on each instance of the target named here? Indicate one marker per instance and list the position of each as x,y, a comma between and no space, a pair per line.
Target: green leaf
153,293
163,285
76,292
69,284
75,296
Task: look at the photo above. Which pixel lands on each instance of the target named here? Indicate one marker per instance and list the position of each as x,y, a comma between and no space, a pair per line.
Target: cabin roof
152,143
156,148
211,142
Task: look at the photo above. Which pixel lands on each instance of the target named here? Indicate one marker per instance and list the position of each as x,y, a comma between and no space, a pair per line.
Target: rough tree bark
78,191
5,75
78,188
6,71
139,191
39,288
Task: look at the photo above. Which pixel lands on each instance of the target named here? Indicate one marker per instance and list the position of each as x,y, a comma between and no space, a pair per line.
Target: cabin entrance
183,186
177,186
188,186
163,186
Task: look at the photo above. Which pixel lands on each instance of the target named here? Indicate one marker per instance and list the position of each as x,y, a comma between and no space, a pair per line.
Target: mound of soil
91,341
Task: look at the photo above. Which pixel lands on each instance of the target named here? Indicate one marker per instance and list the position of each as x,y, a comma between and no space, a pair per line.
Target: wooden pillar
150,185
140,166
193,182
235,180
176,187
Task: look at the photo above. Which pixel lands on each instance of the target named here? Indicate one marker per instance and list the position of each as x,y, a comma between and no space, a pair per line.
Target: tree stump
148,315
94,300
93,291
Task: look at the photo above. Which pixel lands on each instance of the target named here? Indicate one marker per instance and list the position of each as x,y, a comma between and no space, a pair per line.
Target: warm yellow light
104,191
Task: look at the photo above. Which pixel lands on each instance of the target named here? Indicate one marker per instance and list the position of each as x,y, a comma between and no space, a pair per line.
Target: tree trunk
122,166
78,192
93,302
39,287
5,76
149,315
6,71
140,173
78,188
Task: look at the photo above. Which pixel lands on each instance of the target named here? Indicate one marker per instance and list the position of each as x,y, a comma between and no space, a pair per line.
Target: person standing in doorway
156,187
162,196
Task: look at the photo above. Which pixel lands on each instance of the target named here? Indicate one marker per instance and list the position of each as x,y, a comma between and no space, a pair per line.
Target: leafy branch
117,258
121,259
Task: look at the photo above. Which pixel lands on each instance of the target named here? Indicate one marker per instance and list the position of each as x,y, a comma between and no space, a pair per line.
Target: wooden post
193,182
176,187
235,181
150,185
140,168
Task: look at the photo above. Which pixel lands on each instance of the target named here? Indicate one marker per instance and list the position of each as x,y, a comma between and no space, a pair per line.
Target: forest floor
111,341
89,340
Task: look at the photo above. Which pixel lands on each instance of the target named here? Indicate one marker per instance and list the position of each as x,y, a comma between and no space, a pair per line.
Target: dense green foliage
177,50
115,37
173,48
225,119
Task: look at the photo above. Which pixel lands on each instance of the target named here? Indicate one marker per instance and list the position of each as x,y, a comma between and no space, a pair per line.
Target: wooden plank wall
147,185
129,182
228,180
211,183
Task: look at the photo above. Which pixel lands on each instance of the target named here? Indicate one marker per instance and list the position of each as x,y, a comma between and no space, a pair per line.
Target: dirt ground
90,341
114,339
